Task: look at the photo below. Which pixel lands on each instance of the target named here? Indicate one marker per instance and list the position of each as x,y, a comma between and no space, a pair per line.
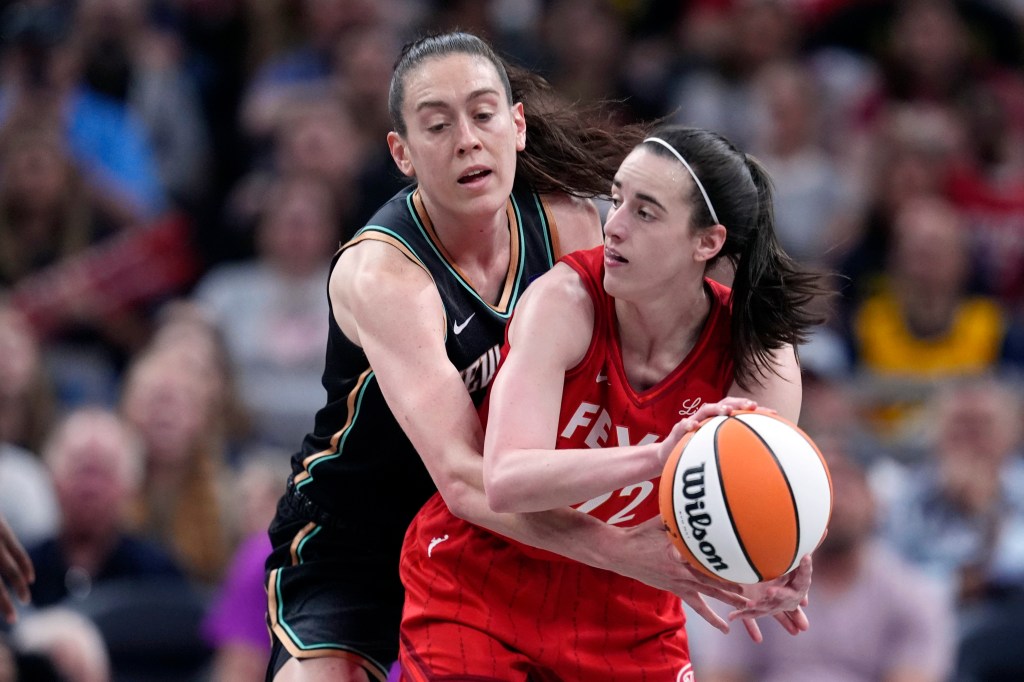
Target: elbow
500,493
500,501
459,496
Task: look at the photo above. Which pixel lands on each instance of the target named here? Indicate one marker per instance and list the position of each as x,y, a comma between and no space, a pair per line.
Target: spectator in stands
924,323
728,45
184,327
363,63
60,256
137,62
307,65
271,310
959,512
43,84
26,396
906,156
95,460
815,204
173,399
316,137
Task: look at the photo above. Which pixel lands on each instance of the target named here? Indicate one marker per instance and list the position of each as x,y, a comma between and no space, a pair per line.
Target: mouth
473,175
613,255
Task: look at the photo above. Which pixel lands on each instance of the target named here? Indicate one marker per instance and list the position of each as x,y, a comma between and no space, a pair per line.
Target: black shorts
329,591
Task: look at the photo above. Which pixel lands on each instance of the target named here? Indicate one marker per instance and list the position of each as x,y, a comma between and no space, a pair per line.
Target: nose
614,225
467,139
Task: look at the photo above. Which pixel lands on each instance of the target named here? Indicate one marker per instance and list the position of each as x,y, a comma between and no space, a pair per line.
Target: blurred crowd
175,176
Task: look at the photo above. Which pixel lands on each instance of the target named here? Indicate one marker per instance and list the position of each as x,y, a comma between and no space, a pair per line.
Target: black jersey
358,465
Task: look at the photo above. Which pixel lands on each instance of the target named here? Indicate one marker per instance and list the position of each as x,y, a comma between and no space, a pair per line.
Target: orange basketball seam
728,508
789,486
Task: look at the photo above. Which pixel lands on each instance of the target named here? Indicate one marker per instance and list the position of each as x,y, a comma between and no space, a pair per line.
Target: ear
710,241
400,153
519,121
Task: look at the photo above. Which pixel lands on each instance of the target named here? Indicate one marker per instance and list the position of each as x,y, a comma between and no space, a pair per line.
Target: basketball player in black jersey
419,299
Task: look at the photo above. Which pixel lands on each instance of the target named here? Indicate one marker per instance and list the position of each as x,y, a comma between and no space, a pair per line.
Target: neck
469,236
479,246
656,336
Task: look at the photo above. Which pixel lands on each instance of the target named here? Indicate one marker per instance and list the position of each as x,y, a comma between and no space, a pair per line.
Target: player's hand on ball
690,423
723,406
650,557
782,598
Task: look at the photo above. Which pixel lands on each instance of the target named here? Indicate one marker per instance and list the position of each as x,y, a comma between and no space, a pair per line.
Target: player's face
462,135
650,248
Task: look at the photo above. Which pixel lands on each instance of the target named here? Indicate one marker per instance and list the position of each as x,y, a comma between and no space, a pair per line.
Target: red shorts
477,607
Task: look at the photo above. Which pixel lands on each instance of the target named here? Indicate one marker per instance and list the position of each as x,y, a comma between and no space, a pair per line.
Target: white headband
707,200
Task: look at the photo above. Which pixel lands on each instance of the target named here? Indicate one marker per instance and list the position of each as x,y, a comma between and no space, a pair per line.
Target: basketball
745,496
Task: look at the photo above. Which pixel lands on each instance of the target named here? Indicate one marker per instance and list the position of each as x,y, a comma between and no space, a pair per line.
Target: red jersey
600,409
481,604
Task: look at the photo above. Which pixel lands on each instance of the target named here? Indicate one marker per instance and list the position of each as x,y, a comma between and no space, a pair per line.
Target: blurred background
175,176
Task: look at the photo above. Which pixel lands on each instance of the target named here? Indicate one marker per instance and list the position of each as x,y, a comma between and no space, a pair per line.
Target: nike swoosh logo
602,377
457,328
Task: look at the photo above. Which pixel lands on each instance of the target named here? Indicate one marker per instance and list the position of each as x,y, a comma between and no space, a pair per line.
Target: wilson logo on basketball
696,518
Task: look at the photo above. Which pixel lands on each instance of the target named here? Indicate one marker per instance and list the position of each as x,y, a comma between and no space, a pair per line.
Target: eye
616,201
644,214
436,128
484,116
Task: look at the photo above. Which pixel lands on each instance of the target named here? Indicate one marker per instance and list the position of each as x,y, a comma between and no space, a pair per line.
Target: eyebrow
642,196
438,104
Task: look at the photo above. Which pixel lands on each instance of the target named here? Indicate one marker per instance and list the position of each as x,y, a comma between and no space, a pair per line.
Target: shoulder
380,288
372,266
576,220
557,308
561,285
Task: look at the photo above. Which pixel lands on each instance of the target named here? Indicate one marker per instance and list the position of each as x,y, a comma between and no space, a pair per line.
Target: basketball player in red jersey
610,358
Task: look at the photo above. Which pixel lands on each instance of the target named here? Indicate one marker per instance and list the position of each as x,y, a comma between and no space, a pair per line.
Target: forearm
563,531
530,480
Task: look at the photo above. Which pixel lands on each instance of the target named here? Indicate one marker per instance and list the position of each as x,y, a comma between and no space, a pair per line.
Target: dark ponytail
771,294
570,148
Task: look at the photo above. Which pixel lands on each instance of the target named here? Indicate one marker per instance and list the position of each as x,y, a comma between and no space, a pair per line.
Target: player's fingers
696,602
753,630
726,596
787,624
799,619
